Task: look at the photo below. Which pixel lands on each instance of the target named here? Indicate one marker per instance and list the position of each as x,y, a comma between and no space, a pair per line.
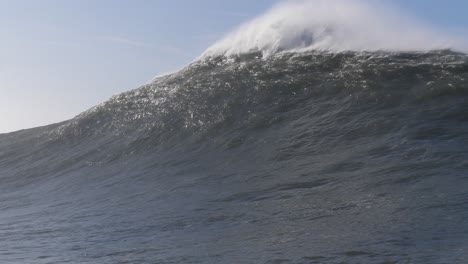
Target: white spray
331,25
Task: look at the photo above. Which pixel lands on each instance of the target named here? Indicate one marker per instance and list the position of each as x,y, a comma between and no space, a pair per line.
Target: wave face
339,25
308,157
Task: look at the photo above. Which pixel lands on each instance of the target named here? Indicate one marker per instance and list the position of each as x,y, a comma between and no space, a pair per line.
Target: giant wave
285,154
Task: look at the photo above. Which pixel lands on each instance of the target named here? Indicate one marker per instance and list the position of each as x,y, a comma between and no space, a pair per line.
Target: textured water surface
297,158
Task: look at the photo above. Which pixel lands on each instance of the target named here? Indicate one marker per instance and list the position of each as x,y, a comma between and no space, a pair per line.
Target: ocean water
297,157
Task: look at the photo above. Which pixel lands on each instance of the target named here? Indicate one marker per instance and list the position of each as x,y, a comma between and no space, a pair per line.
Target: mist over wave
305,156
333,26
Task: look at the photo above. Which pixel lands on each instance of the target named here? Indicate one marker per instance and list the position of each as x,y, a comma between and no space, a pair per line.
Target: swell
221,92
316,99
362,154
223,101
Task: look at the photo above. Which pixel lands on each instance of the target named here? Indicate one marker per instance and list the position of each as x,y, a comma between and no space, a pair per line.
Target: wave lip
331,26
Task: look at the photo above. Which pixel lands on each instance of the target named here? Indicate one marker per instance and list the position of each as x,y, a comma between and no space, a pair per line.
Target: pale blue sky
61,57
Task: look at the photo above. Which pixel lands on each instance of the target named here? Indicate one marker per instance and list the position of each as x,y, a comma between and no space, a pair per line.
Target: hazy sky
61,57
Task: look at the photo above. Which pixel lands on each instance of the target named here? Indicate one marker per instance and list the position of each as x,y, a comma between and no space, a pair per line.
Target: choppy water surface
297,158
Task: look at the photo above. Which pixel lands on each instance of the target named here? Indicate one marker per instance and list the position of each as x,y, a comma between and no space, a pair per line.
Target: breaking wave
332,26
305,156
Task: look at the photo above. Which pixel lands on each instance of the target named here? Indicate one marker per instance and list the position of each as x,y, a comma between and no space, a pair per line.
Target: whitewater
333,26
318,132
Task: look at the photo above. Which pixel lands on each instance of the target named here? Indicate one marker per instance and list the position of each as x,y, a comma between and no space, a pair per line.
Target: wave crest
331,26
